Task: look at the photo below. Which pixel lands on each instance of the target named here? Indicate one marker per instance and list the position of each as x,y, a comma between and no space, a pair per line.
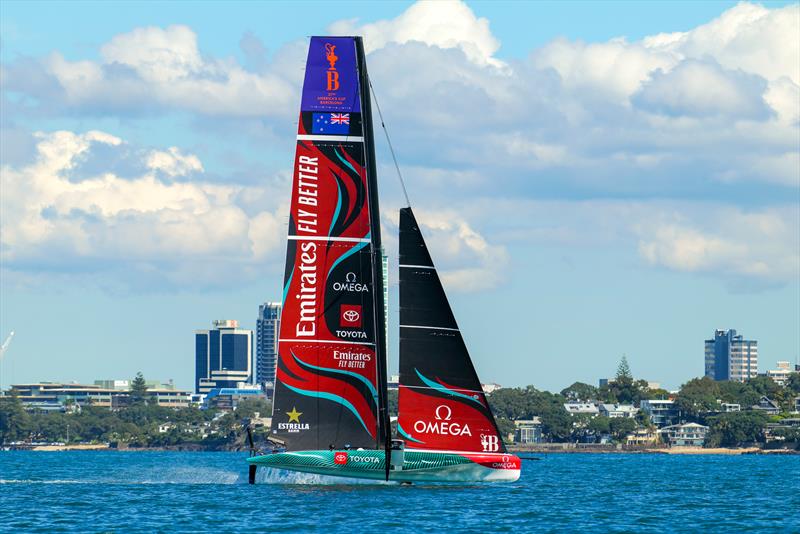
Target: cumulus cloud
143,224
153,68
443,24
762,244
702,88
465,259
713,112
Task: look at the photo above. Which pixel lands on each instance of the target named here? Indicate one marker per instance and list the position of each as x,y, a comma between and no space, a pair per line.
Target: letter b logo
490,443
333,80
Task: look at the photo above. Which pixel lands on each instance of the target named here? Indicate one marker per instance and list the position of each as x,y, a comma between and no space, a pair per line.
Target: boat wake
281,476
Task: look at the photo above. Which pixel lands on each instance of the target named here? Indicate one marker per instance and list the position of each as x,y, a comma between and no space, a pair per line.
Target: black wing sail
441,403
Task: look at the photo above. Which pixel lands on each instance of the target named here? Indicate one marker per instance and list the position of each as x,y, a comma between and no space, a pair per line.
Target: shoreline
685,451
680,451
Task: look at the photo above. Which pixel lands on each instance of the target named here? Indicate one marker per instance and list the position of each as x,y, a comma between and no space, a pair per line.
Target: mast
384,428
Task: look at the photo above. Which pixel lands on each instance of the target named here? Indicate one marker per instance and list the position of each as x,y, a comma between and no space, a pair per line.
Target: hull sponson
418,465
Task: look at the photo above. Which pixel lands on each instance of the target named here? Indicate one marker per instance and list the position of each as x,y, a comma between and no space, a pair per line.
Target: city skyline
621,182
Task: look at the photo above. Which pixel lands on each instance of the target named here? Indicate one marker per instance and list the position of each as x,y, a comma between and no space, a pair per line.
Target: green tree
248,408
738,393
15,422
579,391
793,383
506,427
391,402
600,425
621,427
624,371
697,396
736,428
138,391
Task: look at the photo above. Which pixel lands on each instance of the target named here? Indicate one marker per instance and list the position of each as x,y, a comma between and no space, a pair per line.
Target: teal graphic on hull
416,466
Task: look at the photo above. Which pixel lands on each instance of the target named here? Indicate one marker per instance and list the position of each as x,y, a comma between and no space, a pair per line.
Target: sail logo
443,408
351,359
365,460
340,458
332,73
307,295
506,463
351,285
350,316
442,424
490,443
293,424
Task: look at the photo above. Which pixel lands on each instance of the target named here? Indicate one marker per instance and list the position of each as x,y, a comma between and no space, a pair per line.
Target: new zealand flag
331,123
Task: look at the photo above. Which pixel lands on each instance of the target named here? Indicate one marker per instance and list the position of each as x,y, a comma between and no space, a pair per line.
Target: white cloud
142,225
702,88
466,261
173,163
747,36
151,68
761,244
444,24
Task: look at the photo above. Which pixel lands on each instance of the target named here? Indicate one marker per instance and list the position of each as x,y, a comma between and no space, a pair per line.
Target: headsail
441,403
328,393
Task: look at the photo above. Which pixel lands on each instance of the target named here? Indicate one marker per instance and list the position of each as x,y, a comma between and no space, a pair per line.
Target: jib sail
330,378
441,403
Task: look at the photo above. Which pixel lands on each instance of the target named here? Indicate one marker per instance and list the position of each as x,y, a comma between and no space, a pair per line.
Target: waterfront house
528,431
617,410
768,406
641,436
661,412
686,435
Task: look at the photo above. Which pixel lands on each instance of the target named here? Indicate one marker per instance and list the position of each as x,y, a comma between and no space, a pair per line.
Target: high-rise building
223,356
267,329
731,357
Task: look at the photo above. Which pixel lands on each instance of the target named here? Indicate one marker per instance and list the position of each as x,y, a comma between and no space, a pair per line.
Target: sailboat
330,413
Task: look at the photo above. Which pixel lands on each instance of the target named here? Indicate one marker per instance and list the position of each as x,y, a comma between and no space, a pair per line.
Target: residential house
528,430
642,436
574,408
768,406
661,412
689,434
726,407
617,410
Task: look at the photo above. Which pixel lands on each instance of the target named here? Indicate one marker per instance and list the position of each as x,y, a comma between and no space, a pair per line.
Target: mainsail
441,403
330,380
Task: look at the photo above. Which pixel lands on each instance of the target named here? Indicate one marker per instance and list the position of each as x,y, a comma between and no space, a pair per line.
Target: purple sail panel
331,82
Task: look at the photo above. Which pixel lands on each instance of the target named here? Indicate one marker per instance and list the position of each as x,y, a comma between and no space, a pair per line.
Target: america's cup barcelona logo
333,74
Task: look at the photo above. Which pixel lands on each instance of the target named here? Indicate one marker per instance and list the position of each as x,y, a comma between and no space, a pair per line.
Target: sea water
91,491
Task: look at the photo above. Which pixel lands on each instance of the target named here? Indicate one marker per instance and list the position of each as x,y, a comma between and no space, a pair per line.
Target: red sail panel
441,403
326,380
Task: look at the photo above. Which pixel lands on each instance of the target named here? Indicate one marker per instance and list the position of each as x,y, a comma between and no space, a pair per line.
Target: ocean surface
198,492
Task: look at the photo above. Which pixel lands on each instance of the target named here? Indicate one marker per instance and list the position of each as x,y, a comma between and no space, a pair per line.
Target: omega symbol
446,409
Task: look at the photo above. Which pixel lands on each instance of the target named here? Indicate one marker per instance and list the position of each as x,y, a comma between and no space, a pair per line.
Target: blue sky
594,178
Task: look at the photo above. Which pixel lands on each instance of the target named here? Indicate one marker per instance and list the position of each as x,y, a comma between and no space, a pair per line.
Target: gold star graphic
294,415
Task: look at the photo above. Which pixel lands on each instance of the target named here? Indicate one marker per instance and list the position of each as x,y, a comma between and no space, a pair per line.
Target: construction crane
4,346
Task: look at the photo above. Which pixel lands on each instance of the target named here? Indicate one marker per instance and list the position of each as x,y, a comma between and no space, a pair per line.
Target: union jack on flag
340,118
